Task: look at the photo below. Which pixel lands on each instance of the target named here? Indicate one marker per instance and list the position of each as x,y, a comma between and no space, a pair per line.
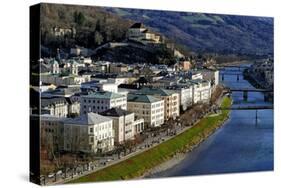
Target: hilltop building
137,32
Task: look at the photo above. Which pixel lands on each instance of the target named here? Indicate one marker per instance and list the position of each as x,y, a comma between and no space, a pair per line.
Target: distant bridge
248,107
256,108
247,90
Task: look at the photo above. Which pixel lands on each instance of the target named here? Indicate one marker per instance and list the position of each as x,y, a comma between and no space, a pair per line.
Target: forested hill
93,26
200,32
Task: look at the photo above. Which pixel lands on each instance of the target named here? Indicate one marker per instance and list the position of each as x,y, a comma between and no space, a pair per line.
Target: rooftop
115,112
142,98
155,91
104,95
137,25
88,119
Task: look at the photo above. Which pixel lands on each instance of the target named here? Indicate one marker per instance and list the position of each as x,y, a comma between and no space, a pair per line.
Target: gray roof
115,112
88,119
142,98
155,91
104,95
47,117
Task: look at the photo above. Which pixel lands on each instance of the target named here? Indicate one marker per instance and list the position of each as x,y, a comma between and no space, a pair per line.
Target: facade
185,94
149,108
211,75
73,106
51,133
124,124
60,32
54,106
89,133
171,100
63,80
101,101
201,91
100,86
55,67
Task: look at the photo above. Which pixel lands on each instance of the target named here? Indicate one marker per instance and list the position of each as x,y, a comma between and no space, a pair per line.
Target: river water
241,145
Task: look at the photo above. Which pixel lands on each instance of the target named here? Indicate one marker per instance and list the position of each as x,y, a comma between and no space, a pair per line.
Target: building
171,100
185,94
73,106
63,80
100,86
54,106
51,134
61,32
118,68
101,101
55,66
195,75
201,91
139,33
210,75
150,108
89,133
124,124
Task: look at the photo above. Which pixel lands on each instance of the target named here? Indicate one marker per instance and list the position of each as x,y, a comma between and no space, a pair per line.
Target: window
91,130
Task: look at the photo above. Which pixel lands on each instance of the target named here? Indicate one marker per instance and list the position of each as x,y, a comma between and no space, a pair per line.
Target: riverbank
257,84
137,166
178,157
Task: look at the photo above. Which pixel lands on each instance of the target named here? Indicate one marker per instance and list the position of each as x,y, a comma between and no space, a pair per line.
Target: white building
101,101
210,75
54,106
124,124
55,66
149,108
88,133
100,86
201,91
63,80
185,94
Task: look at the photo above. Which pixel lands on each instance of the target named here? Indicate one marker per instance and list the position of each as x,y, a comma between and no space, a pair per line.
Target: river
240,145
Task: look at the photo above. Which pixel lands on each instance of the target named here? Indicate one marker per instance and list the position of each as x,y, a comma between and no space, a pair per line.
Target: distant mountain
224,34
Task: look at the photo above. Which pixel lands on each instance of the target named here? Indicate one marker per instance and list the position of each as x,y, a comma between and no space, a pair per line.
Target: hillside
134,53
93,26
224,34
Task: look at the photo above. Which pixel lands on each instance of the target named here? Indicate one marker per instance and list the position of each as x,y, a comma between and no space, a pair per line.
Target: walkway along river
241,145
